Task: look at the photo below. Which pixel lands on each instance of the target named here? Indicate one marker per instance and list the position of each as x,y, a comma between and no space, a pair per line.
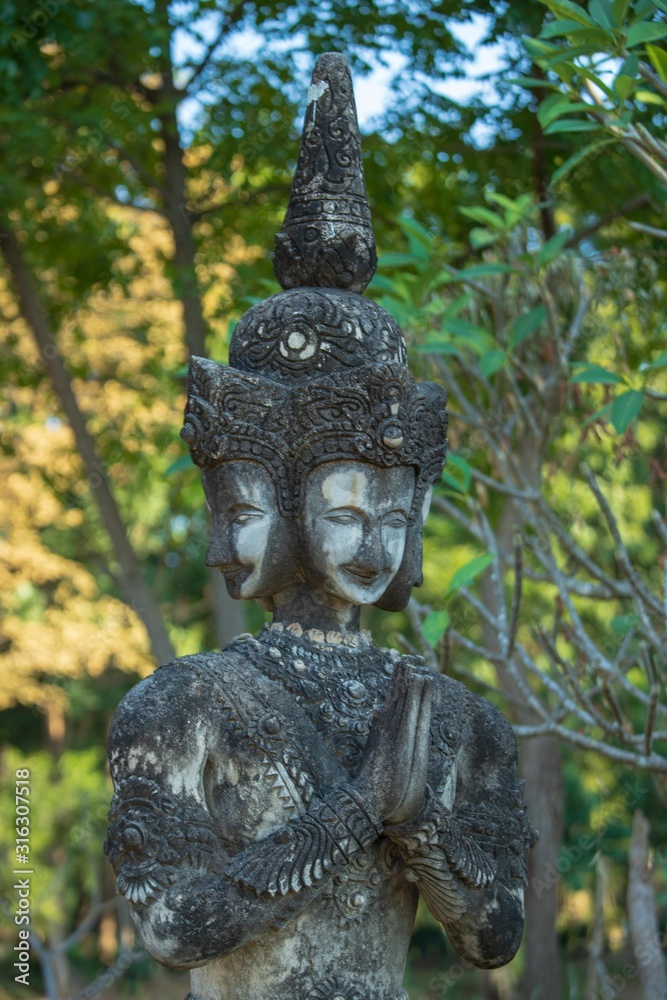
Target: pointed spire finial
327,239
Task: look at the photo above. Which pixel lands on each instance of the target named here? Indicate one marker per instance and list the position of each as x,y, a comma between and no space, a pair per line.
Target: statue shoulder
176,700
486,732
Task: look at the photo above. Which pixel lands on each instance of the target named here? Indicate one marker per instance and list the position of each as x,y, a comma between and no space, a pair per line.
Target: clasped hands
391,779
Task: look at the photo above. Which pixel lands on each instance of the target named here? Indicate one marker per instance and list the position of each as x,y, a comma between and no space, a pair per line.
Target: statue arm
469,860
191,899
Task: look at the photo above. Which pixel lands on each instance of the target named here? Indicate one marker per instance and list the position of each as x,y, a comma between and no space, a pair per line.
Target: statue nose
373,554
220,551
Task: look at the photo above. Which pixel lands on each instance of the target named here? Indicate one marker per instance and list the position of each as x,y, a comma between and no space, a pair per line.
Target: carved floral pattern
374,413
309,331
302,854
342,988
352,892
327,682
151,836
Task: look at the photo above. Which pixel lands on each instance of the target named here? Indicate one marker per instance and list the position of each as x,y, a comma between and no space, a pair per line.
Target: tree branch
228,22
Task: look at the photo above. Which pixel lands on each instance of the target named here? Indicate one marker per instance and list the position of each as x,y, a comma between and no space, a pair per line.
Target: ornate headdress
318,372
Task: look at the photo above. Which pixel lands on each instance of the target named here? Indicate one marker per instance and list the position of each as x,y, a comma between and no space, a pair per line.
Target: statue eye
343,518
246,516
396,521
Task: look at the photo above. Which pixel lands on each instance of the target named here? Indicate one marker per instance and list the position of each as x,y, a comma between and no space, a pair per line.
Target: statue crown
318,372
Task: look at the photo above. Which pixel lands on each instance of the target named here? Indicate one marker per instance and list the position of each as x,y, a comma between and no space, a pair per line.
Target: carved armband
469,849
153,838
308,850
441,857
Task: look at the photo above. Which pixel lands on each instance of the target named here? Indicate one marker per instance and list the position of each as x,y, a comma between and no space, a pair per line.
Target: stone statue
279,806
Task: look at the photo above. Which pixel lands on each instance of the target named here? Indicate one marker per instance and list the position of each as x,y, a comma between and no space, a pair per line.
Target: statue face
354,528
250,542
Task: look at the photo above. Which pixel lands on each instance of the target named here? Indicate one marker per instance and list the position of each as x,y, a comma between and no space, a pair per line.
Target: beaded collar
338,684
329,639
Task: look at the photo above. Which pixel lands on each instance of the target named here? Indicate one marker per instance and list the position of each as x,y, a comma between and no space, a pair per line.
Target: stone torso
279,719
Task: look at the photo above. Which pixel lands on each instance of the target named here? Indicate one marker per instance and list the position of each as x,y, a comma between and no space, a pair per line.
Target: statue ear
397,594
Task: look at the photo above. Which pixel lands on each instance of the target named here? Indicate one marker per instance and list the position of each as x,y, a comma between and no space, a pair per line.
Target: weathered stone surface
327,238
280,805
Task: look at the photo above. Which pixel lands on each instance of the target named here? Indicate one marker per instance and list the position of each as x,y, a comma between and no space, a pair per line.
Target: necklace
339,684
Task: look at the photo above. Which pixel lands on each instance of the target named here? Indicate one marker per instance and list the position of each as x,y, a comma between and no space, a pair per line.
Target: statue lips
363,575
235,571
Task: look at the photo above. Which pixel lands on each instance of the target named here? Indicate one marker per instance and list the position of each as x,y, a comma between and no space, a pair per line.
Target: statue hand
392,775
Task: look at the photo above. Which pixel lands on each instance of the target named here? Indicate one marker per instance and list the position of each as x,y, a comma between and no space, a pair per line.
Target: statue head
251,542
317,399
354,527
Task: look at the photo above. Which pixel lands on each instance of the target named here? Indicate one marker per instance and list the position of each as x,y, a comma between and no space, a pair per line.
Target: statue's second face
354,527
250,542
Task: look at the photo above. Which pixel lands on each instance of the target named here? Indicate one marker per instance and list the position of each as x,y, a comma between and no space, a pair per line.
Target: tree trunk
541,767
542,770
228,615
133,587
641,912
596,973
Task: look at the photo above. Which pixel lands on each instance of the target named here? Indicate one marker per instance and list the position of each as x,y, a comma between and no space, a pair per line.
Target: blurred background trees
146,152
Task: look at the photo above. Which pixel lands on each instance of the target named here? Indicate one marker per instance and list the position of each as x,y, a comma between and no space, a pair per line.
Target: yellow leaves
56,624
197,156
152,81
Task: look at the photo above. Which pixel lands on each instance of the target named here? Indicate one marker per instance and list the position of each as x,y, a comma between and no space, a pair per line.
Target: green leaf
601,11
551,112
658,57
382,283
466,330
645,31
619,10
624,85
184,462
461,464
623,623
539,50
596,80
491,361
415,229
437,347
483,271
660,361
509,204
552,248
648,97
631,65
554,29
571,125
564,9
484,216
577,158
601,414
457,304
482,237
434,626
450,481
389,260
625,408
466,574
596,374
532,81
526,324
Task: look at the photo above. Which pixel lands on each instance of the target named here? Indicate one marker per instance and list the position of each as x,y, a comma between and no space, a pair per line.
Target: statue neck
314,609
